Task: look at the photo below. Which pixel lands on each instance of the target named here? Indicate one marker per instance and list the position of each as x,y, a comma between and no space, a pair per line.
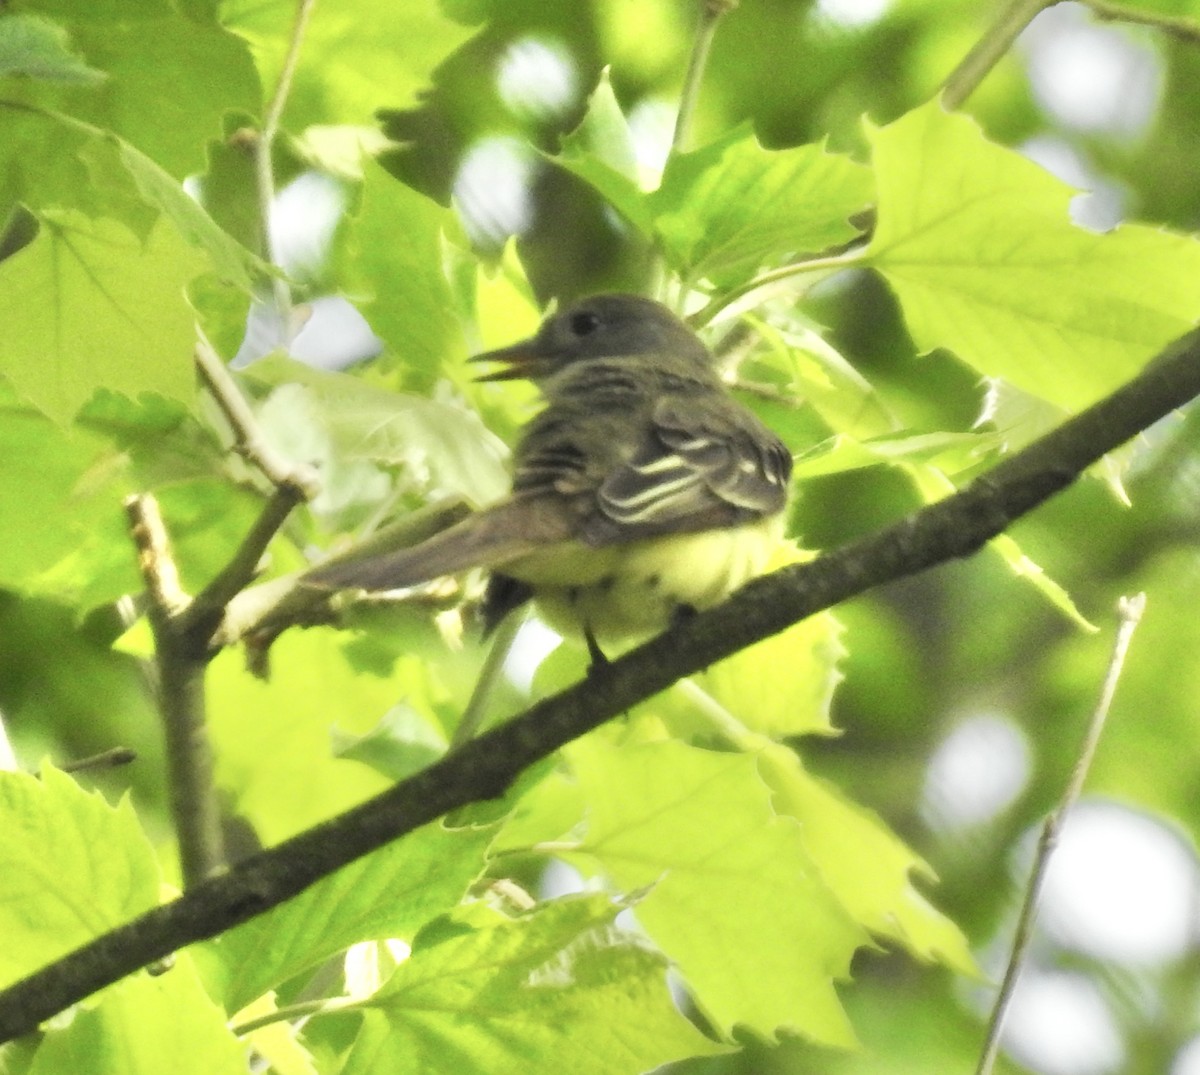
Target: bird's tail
487,539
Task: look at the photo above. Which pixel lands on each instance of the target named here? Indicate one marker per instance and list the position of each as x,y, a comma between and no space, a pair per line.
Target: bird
642,491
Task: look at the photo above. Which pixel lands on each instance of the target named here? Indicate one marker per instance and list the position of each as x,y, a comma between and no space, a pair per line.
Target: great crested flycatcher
642,490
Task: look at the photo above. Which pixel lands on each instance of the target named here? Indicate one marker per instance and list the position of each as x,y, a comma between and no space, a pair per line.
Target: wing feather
697,468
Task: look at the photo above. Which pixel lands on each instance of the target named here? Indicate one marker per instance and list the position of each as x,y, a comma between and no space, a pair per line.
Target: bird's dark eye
584,323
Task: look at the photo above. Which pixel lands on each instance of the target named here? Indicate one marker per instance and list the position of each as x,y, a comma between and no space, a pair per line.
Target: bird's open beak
520,361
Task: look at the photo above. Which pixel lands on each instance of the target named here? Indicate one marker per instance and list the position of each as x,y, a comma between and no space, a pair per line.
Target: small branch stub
155,561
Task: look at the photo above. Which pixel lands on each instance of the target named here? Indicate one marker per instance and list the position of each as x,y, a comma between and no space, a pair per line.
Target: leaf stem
710,15
990,49
1173,25
293,1012
720,719
1130,610
264,144
489,676
847,259
106,759
706,30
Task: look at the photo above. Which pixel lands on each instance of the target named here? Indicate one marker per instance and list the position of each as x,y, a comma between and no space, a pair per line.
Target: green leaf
277,1046
394,50
86,305
389,893
293,421
228,190
1024,568
934,485
165,442
392,255
442,444
783,685
145,1025
313,687
734,899
60,498
1020,418
231,261
820,377
37,48
558,989
600,152
951,451
132,188
866,866
604,133
402,743
71,867
549,808
730,208
172,78
976,242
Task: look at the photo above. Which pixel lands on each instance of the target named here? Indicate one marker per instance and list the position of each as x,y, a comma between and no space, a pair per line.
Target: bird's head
602,326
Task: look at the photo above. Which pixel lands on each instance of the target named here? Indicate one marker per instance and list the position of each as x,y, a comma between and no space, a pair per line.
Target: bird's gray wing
699,466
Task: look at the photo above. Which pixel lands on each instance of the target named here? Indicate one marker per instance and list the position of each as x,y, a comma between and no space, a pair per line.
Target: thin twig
279,603
706,29
264,145
710,14
1130,610
489,676
845,259
241,569
487,765
990,49
247,436
294,1012
1185,29
293,484
274,113
106,759
181,655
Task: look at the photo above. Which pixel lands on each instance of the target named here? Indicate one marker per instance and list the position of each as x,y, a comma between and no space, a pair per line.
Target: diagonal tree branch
485,767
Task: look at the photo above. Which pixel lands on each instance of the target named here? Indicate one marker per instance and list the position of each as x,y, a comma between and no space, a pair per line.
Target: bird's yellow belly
619,591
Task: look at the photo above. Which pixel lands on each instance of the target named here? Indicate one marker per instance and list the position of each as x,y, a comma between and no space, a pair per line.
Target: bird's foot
597,655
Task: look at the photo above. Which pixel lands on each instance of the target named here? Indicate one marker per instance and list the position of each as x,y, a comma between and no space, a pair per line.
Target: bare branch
293,484
181,656
1130,610
247,437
